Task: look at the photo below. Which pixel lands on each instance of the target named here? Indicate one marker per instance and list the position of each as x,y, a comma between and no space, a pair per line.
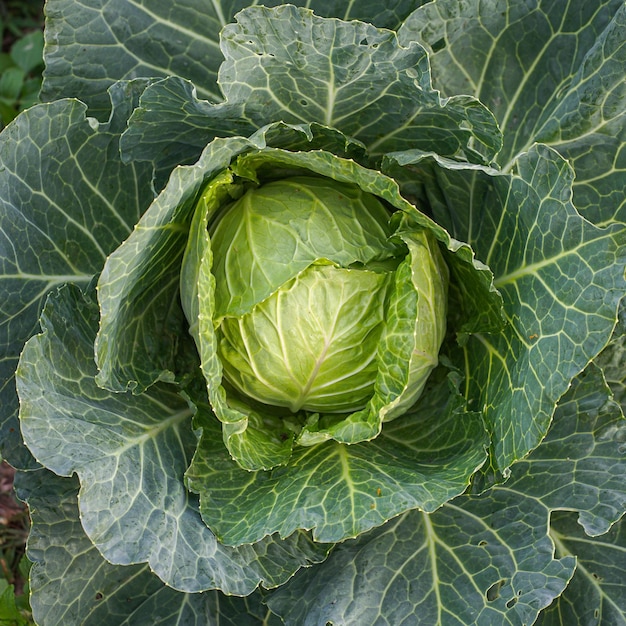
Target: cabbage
316,315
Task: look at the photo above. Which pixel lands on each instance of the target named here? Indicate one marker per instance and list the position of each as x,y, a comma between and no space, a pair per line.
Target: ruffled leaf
289,64
418,461
72,583
491,558
550,72
130,453
89,46
66,202
561,279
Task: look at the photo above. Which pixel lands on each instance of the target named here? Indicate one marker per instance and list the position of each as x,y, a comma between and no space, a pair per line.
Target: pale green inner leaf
275,231
312,344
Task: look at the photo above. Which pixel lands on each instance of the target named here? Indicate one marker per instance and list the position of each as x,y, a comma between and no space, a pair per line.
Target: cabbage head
312,300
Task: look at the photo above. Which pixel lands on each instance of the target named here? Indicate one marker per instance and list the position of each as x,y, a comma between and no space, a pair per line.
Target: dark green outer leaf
551,72
288,64
130,453
481,561
171,126
359,81
561,279
71,583
66,201
581,464
419,461
489,559
588,127
92,44
565,277
141,318
581,467
595,595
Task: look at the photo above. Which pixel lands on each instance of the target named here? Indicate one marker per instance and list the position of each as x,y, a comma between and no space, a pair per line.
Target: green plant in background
14,608
21,59
315,315
14,566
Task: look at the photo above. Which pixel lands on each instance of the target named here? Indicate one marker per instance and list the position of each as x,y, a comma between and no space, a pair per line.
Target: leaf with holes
315,312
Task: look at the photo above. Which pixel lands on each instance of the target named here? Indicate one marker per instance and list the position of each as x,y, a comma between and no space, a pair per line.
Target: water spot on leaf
612,432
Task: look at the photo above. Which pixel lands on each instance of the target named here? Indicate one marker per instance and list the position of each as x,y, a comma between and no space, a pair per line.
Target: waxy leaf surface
72,583
419,461
350,76
551,72
91,45
66,202
491,558
130,453
561,279
595,595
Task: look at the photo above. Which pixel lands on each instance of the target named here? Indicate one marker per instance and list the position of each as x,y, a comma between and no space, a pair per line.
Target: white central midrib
307,388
